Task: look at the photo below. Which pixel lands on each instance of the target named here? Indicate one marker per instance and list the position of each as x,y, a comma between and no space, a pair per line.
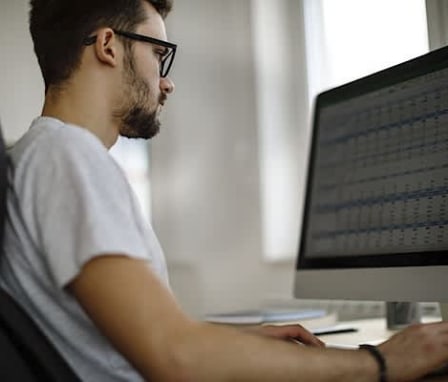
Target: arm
139,315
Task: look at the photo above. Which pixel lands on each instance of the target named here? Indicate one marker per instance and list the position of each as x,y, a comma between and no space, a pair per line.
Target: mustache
162,99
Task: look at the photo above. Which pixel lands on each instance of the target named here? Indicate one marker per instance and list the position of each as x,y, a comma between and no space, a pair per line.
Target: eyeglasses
167,58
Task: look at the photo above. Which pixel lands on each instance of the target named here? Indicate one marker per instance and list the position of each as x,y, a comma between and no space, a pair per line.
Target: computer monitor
375,223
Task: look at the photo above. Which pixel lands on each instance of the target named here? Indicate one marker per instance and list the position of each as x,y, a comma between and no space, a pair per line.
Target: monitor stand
401,314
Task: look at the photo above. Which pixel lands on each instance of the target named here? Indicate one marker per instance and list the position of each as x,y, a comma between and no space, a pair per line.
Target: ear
106,47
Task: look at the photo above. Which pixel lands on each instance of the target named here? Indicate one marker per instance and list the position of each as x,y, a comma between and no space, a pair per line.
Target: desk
371,331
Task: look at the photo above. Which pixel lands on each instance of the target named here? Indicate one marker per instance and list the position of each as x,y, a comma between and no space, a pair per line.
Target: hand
288,333
416,351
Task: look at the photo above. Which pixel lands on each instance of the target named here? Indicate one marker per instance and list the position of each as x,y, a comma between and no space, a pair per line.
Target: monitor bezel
425,64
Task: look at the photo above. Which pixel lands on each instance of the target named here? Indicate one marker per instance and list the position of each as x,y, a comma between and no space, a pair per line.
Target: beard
139,123
136,119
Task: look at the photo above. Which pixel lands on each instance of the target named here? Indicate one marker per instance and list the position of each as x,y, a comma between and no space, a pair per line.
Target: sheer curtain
341,41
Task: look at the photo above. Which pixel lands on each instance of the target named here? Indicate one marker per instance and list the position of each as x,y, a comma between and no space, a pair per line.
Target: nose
166,85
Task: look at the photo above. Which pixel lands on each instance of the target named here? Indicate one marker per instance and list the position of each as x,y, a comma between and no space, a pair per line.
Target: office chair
26,355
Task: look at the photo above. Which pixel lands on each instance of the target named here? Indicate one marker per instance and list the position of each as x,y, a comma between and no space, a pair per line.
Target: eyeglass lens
166,63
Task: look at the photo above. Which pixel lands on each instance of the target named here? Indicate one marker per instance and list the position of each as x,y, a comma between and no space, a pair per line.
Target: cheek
149,68
152,80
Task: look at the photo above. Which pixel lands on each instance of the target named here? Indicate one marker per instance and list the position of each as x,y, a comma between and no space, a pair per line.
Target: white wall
205,164
21,85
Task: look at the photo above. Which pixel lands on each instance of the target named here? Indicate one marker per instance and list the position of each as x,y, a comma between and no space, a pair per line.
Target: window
132,155
344,40
362,37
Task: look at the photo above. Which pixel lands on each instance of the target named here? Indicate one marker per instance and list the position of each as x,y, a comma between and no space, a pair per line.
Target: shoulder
52,148
51,140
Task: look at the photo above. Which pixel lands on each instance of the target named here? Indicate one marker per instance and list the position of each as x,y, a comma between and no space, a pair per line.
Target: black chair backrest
3,185
26,355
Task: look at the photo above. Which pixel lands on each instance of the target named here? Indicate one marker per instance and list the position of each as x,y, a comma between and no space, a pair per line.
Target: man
79,257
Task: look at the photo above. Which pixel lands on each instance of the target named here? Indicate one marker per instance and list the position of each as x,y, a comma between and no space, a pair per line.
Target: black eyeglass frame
151,40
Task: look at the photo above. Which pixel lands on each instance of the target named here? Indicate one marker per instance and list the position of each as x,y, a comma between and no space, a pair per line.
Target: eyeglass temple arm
89,40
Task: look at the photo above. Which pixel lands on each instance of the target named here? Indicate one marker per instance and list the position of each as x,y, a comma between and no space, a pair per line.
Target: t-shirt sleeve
78,204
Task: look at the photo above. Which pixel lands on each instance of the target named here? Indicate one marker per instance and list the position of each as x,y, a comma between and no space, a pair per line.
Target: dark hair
58,28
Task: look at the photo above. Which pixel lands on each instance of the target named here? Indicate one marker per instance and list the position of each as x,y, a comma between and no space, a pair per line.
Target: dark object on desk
335,330
401,314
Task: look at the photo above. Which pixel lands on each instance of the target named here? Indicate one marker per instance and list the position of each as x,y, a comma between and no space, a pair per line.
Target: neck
85,108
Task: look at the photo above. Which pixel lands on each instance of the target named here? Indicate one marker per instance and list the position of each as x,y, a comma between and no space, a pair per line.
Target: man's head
63,31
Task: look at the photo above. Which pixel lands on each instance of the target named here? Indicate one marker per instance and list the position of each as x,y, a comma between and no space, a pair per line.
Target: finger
310,341
306,337
296,332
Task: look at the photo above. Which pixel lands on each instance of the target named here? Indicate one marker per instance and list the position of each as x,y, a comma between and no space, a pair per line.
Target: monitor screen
375,219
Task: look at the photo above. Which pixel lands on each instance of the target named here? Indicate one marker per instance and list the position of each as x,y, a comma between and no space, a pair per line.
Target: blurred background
223,183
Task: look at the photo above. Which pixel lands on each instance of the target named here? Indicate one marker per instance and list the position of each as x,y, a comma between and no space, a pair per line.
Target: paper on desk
268,316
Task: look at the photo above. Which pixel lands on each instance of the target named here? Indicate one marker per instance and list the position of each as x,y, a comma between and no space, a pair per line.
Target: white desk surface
371,331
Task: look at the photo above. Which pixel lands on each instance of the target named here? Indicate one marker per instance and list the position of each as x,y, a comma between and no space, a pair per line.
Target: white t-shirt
68,202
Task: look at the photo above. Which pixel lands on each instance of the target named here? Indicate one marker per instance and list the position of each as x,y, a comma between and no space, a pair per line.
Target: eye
161,53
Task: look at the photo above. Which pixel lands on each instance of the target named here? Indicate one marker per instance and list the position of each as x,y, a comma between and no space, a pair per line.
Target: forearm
216,353
139,316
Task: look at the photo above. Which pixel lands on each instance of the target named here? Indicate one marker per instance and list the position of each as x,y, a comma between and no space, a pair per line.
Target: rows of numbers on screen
381,174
